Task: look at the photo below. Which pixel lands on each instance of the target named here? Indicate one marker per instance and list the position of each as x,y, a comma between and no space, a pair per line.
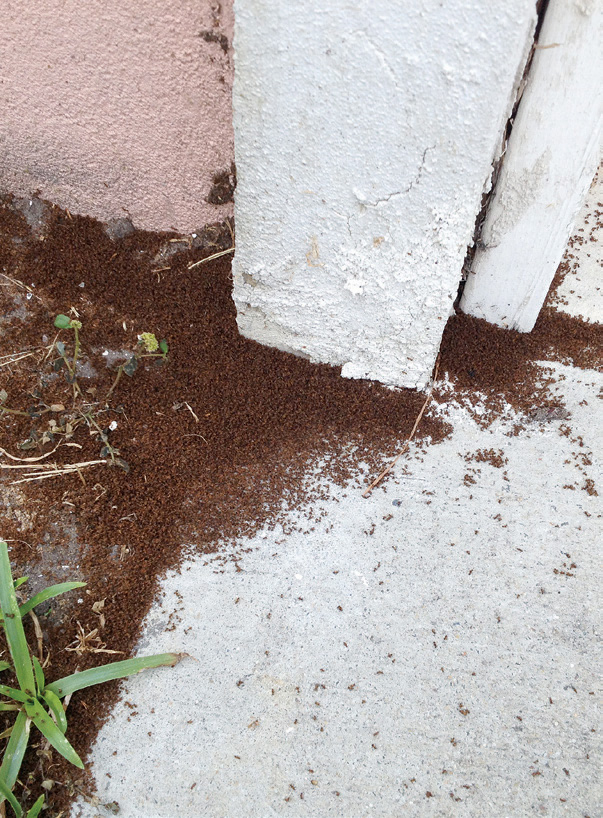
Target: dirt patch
223,186
498,368
220,441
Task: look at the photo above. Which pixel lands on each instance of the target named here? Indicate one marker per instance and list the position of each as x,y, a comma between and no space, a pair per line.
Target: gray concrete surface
581,291
420,652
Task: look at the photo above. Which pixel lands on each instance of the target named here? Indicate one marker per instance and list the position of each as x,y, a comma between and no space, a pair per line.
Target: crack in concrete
347,220
382,59
414,182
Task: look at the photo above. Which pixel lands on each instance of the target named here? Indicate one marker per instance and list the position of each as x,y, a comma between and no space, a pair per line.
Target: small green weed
55,423
35,701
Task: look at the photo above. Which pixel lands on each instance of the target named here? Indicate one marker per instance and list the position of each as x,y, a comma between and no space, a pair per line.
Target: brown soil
264,419
497,366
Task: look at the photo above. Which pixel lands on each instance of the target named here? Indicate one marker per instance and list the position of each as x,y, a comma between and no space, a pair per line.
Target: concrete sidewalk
428,651
425,652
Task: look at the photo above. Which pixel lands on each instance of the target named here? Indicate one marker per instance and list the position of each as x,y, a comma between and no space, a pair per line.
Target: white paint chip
355,286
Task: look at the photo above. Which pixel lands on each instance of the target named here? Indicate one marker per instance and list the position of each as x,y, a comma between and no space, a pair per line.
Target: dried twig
39,636
28,459
188,406
195,434
15,357
405,447
22,285
52,470
211,258
54,466
88,643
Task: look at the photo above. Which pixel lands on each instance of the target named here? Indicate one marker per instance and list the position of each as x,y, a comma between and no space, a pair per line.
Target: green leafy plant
147,347
64,322
34,700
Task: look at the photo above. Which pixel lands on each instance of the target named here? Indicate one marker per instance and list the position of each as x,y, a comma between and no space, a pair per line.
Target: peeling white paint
364,140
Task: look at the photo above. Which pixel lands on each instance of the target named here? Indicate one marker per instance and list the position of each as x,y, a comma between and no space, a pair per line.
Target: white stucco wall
364,137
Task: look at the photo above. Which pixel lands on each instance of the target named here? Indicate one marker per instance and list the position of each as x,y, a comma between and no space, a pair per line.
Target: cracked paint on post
364,141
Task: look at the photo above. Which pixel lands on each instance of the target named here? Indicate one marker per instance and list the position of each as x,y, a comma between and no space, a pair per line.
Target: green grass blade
15,750
19,582
38,673
5,666
49,730
54,703
4,707
6,793
115,670
36,809
13,626
49,593
17,695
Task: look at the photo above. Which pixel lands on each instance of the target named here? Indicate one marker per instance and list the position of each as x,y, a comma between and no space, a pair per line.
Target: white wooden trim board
550,161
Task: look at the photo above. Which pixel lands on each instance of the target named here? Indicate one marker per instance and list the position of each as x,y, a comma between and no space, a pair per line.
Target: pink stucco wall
118,108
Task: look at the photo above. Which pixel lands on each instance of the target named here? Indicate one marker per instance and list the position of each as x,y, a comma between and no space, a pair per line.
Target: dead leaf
88,643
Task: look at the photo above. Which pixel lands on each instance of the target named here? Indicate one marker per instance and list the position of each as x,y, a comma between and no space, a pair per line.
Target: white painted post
364,137
551,158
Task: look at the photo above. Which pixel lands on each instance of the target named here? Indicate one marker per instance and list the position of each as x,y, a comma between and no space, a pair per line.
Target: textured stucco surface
114,109
364,140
